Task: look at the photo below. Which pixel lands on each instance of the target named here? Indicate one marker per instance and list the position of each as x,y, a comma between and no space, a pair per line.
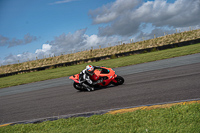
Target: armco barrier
180,44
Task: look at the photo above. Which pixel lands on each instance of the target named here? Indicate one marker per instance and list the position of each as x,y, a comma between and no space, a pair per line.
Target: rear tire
120,80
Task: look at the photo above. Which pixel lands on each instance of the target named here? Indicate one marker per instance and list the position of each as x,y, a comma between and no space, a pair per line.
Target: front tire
120,80
77,86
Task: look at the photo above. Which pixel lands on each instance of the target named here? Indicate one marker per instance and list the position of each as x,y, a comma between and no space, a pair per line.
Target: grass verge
113,63
178,118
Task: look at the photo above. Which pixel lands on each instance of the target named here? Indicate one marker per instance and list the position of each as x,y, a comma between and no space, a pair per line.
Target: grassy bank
179,118
113,63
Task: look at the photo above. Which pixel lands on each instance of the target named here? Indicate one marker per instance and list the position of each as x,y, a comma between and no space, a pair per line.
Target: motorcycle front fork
85,86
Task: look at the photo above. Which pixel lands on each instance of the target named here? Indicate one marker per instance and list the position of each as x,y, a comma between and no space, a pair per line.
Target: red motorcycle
106,74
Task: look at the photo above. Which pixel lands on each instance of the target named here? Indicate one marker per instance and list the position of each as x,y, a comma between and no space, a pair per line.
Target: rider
86,74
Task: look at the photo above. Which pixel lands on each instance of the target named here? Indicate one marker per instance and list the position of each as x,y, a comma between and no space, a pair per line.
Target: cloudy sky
43,28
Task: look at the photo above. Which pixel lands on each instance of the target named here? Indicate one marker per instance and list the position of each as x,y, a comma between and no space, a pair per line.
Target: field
178,118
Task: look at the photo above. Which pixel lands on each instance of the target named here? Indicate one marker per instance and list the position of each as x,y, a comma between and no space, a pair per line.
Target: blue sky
35,28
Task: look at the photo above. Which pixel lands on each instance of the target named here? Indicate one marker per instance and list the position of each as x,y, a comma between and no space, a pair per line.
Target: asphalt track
161,81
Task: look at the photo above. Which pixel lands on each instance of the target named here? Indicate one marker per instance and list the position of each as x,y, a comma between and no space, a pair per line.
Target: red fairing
108,77
75,78
95,76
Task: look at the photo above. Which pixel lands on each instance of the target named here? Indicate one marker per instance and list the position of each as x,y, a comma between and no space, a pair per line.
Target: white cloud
5,41
78,41
62,1
12,59
45,48
125,17
44,52
112,11
95,41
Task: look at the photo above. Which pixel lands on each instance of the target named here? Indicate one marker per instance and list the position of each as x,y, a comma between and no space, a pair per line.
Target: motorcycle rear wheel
120,80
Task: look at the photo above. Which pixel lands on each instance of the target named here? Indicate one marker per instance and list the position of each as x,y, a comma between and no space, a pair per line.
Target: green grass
113,63
176,119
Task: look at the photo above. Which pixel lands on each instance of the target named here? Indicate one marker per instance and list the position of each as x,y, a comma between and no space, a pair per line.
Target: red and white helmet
89,69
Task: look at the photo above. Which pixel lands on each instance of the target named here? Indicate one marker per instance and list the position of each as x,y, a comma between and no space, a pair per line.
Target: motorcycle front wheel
77,86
